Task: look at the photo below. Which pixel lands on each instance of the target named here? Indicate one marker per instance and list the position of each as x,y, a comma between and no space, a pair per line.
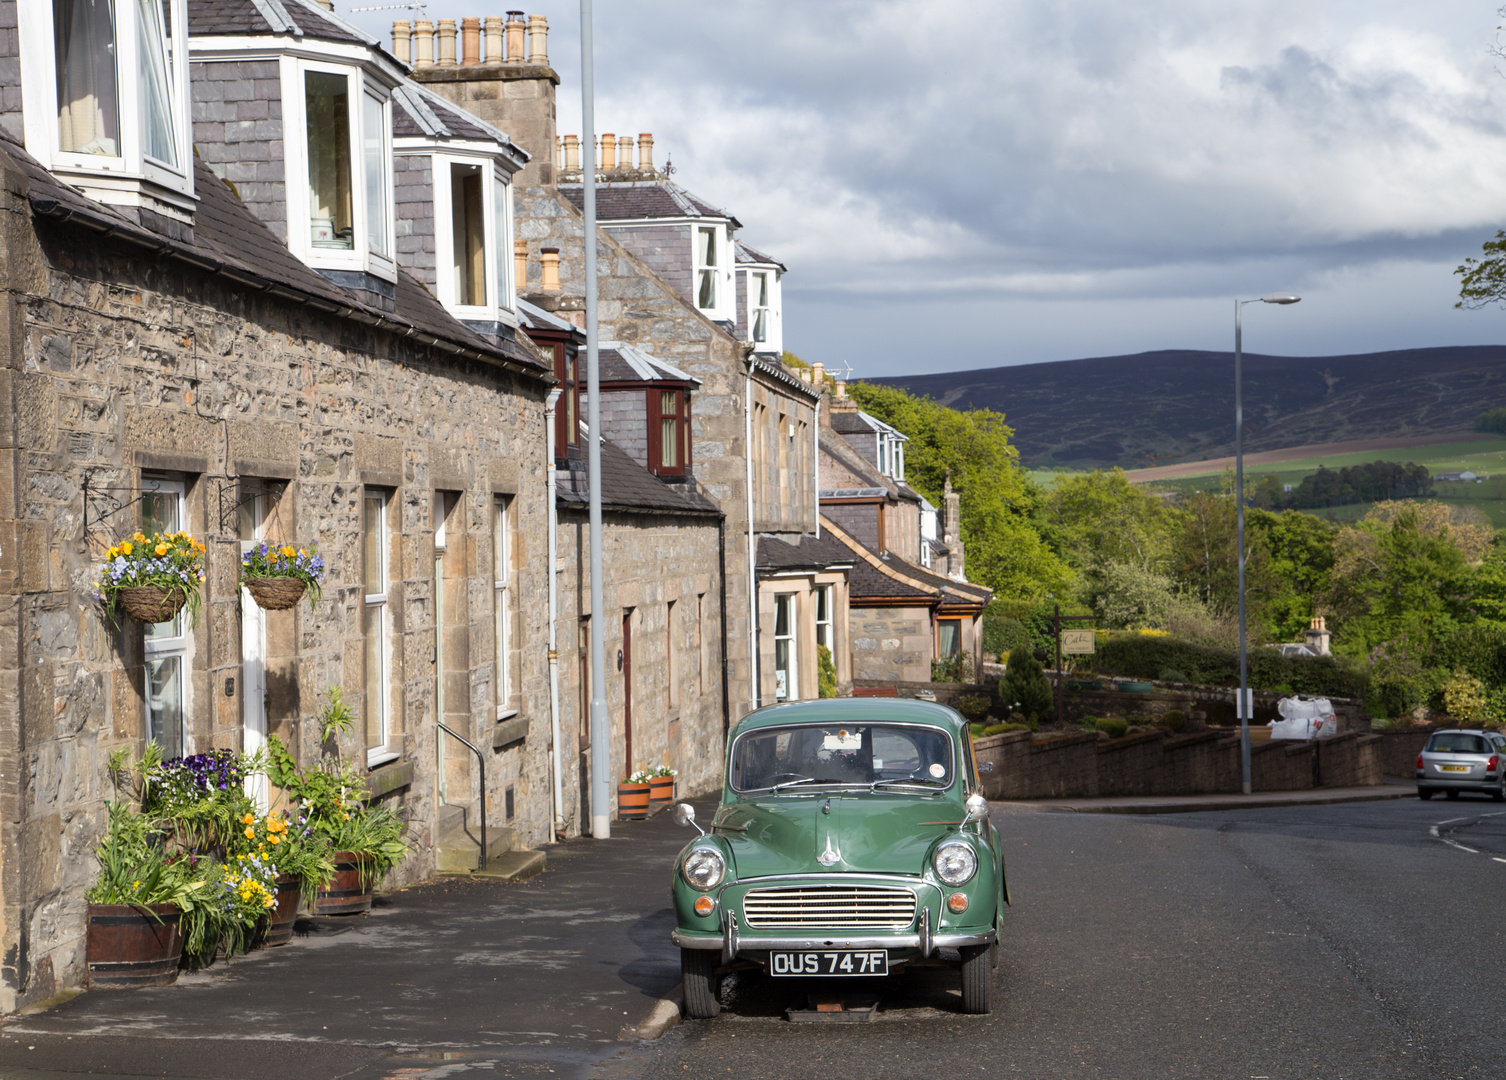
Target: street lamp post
1245,703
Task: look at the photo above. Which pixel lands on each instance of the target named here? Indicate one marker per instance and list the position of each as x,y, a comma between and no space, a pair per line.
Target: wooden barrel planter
152,603
275,593
661,791
344,895
632,801
132,946
284,914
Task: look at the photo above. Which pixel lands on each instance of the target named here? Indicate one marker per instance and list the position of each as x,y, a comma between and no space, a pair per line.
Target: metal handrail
480,760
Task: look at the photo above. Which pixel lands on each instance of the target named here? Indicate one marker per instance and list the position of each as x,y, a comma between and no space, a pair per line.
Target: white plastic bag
1304,718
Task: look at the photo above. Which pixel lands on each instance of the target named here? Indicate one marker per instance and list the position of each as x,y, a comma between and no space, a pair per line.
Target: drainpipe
554,657
816,457
721,617
753,687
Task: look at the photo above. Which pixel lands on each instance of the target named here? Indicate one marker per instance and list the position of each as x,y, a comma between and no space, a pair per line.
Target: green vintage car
852,837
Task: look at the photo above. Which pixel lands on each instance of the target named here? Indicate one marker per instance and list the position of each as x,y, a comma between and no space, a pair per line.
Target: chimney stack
608,151
402,40
494,34
519,265
1318,636
646,151
549,258
538,40
470,41
516,27
423,44
445,53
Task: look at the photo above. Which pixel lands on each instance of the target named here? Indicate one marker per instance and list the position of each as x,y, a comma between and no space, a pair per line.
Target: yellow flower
248,819
114,551
274,839
344,817
161,550
250,832
139,539
135,885
240,856
288,552
125,547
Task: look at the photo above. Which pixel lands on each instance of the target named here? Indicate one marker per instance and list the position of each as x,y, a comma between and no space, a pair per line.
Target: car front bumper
872,941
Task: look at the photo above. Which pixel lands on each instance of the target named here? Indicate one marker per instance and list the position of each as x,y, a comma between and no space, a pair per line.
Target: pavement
1393,788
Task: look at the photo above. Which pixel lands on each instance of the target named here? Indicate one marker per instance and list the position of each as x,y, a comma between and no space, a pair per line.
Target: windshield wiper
803,780
922,781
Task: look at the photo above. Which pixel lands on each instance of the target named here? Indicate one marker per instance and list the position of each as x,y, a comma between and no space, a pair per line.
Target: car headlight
704,869
955,862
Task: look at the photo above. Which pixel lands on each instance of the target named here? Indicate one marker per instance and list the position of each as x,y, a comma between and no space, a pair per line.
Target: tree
1101,520
1493,421
1001,524
1025,688
1297,558
1483,281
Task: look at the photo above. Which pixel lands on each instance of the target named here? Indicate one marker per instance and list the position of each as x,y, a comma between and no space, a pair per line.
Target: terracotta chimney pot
572,153
818,373
423,44
549,258
520,264
402,40
646,151
470,41
515,29
538,40
445,52
608,151
494,35
841,394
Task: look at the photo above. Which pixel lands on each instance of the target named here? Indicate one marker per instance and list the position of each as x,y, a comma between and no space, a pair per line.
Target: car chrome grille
843,906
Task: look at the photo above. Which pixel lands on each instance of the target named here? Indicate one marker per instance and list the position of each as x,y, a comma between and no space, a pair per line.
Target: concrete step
510,866
458,841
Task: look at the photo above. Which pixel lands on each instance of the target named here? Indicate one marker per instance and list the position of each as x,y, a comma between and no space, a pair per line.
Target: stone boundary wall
1029,766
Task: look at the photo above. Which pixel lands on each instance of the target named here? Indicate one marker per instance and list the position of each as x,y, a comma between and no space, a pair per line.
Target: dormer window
474,250
340,209
758,302
117,73
706,267
669,431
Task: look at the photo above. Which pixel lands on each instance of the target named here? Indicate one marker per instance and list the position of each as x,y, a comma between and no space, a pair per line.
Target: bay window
706,268
327,112
116,73
473,237
468,235
377,152
758,302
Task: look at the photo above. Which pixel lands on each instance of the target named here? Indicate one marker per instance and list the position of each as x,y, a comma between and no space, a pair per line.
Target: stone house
752,430
911,603
186,350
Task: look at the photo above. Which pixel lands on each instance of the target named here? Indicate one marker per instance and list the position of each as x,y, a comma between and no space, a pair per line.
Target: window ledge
506,714
509,732
384,781
375,760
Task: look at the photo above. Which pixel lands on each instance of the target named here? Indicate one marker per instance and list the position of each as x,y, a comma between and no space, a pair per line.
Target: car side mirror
985,766
685,815
977,807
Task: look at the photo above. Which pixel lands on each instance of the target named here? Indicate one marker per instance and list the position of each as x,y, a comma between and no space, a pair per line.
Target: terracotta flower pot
131,946
661,791
345,895
275,593
632,801
152,603
285,913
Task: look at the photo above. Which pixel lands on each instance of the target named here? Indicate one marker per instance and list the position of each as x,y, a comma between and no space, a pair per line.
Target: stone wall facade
892,644
119,365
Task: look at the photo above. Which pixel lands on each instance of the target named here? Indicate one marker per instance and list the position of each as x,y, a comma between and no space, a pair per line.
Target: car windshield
811,755
1457,743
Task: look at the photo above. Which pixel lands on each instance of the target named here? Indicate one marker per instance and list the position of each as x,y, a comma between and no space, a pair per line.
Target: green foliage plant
1002,633
973,706
826,673
1024,688
1492,421
1112,726
1174,721
1464,696
167,560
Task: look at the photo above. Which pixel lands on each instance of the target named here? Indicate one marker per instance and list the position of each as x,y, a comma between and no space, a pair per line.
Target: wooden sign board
1077,642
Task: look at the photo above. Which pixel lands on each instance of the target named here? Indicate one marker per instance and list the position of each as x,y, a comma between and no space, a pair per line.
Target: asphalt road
1306,942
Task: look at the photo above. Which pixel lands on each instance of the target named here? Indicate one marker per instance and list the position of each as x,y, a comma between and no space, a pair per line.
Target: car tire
1424,793
698,973
1451,794
977,978
1499,794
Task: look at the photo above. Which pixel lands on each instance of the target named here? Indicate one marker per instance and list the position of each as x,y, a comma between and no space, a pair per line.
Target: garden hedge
1141,657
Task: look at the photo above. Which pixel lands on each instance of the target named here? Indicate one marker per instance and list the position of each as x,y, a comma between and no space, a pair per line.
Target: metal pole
601,735
1056,622
1239,529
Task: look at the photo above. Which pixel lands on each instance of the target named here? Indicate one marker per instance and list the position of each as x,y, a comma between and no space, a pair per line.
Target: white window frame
826,629
359,257
177,642
791,670
254,653
441,549
129,178
757,278
720,274
500,298
385,750
502,607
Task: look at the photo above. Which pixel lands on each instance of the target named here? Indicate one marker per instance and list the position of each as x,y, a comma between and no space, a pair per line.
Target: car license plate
1453,768
830,962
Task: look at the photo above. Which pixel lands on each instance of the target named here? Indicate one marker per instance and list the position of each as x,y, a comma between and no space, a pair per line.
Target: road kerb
1206,804
665,1015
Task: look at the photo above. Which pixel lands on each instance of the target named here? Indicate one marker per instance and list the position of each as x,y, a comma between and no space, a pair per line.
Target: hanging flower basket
278,577
151,603
275,593
153,578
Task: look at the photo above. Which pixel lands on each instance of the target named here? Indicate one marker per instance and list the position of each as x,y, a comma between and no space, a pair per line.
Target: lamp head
1280,298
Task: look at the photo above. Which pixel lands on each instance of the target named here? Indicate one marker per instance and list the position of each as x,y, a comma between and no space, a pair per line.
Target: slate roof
228,239
532,316
644,199
752,256
423,114
868,579
809,553
626,485
621,362
300,18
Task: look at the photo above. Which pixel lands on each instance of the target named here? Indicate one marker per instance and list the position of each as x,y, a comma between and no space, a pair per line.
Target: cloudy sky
970,183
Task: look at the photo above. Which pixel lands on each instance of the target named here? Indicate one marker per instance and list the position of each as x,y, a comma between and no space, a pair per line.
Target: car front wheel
698,972
977,978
